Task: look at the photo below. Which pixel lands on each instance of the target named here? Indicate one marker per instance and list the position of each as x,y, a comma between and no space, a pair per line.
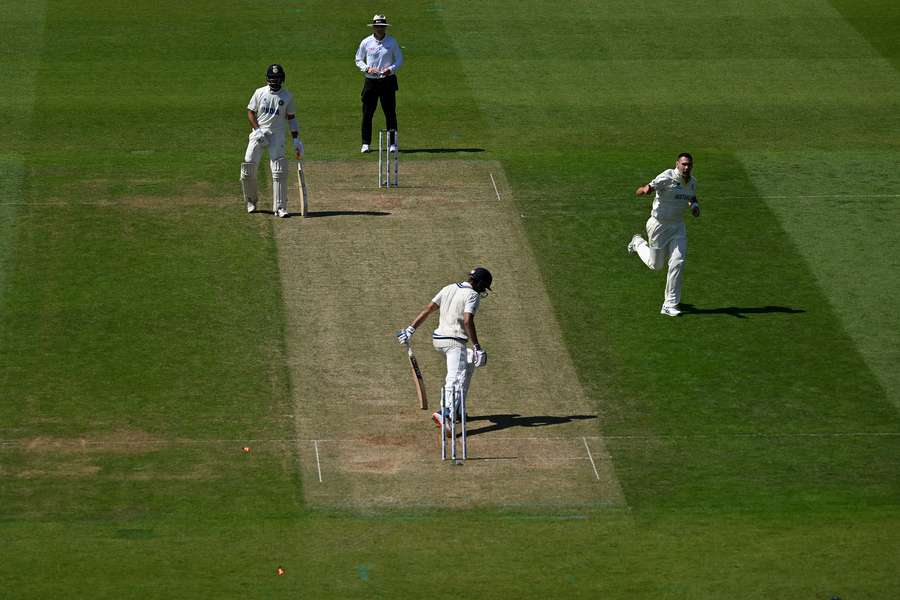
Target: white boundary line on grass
590,456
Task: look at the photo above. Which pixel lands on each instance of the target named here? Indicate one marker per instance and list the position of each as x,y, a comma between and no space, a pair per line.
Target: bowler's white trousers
667,242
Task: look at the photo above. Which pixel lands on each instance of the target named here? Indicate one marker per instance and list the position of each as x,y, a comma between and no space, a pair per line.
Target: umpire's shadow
739,312
500,422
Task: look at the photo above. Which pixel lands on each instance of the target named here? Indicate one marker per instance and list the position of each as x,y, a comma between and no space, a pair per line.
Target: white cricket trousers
276,149
667,242
460,366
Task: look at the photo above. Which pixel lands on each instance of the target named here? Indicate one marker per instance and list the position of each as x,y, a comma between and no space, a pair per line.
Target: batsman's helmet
481,279
275,77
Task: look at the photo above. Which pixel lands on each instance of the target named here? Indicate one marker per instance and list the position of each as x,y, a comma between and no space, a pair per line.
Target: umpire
379,57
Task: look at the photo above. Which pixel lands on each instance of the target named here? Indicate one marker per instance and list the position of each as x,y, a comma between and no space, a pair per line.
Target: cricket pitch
357,270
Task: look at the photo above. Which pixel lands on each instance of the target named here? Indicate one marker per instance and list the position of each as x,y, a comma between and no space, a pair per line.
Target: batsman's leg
279,186
249,185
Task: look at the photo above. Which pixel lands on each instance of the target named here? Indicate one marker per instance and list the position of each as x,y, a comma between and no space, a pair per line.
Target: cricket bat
417,378
304,193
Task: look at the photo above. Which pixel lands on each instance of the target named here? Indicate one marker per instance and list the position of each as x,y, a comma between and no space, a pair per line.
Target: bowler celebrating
666,234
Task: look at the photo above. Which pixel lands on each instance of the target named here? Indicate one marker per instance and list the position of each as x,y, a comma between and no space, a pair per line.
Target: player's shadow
500,422
438,150
739,312
329,213
343,213
332,213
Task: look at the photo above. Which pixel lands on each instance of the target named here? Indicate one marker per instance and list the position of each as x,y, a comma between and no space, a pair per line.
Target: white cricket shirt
672,196
380,54
455,300
272,108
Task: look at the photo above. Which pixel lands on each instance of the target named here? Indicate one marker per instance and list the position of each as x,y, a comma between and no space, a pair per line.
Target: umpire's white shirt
380,54
455,300
272,108
672,196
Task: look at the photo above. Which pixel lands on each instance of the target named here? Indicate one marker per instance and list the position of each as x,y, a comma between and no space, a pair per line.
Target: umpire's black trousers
385,90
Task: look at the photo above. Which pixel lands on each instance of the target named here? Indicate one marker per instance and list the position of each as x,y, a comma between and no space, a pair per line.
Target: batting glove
298,146
480,358
404,336
260,136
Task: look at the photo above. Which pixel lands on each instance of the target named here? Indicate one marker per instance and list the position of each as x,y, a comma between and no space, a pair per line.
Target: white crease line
83,443
318,464
593,464
494,183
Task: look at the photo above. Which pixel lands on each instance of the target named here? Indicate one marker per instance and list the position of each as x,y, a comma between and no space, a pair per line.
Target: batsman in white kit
676,190
270,107
458,303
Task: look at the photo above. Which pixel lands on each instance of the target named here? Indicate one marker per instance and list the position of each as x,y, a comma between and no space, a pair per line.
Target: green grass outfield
142,326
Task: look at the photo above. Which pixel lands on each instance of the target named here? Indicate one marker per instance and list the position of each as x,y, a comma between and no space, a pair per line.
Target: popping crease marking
860,434
593,464
494,183
318,464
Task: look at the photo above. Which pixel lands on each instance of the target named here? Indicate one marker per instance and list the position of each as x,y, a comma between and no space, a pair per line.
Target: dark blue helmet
481,279
275,77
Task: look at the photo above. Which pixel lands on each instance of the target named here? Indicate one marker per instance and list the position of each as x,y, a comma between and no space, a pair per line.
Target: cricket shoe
364,149
670,311
633,244
251,206
281,213
438,417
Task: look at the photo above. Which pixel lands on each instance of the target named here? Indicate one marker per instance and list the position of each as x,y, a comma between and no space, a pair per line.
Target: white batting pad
249,184
279,183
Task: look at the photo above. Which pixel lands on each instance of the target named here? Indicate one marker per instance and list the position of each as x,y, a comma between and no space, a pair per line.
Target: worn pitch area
358,269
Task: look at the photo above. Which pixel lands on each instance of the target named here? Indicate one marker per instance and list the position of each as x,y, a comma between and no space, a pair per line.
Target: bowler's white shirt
455,300
272,108
380,54
672,195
